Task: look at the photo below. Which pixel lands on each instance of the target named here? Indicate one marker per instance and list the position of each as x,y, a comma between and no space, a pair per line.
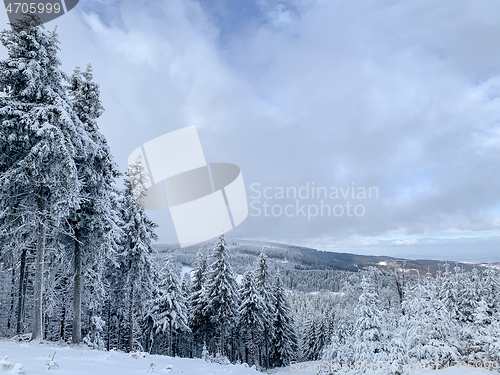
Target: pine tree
314,336
251,314
95,222
136,261
221,298
264,287
199,320
430,330
368,345
168,309
41,139
284,340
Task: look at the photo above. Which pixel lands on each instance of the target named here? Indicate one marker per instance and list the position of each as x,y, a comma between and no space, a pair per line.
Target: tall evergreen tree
199,320
284,341
369,343
168,309
314,336
136,260
263,282
251,314
430,331
41,139
222,299
95,223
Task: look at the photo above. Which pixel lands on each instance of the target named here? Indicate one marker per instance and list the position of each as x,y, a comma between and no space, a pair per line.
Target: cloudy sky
403,96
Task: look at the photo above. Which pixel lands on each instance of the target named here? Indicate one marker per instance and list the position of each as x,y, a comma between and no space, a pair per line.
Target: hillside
289,257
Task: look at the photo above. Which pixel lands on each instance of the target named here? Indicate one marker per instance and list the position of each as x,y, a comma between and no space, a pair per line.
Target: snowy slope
84,361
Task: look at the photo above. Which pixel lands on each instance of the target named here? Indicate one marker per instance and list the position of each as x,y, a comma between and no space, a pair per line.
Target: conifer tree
41,139
199,320
284,341
368,345
95,223
430,330
136,260
263,282
221,298
168,309
251,314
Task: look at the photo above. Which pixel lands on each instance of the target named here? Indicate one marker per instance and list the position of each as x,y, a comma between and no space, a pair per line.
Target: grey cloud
394,94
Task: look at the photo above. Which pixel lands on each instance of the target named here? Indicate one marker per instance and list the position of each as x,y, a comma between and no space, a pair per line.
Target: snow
36,358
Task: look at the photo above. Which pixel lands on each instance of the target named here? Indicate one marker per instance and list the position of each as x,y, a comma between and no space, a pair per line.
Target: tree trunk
170,338
12,295
76,337
108,344
131,319
22,292
63,320
37,334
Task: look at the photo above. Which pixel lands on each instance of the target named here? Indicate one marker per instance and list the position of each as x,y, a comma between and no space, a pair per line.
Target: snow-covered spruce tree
41,139
368,346
340,347
398,351
314,336
263,283
222,301
430,332
168,309
490,290
479,333
95,223
136,262
284,340
199,320
251,314
184,339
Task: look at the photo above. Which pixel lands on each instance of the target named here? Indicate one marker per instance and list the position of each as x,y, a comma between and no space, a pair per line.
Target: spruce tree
222,299
263,282
368,346
168,310
251,314
284,341
137,266
199,320
95,222
431,333
41,139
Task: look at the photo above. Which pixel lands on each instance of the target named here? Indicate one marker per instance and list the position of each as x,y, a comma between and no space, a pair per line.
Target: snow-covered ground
35,359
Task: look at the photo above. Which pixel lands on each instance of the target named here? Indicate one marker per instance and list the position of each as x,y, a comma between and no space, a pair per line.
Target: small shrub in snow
50,363
151,368
6,365
17,369
221,359
205,355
